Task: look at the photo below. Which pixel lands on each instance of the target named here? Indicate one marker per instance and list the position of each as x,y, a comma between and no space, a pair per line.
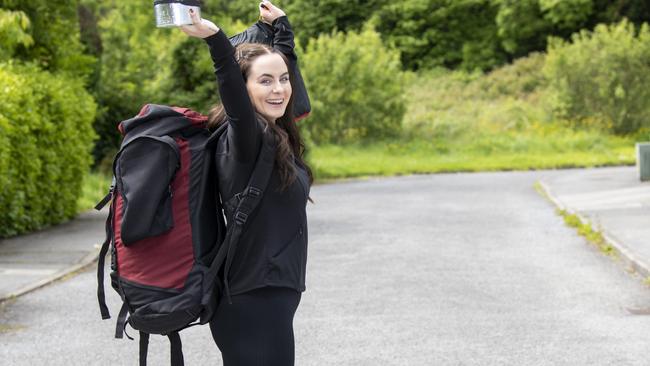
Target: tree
14,33
54,29
450,33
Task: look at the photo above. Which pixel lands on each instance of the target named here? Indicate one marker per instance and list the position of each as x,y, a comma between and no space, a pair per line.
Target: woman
253,324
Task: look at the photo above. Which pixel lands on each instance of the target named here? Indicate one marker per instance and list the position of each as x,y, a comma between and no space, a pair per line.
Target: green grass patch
646,281
94,188
592,235
418,157
6,328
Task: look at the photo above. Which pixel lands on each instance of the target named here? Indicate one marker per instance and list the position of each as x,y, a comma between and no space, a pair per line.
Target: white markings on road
612,199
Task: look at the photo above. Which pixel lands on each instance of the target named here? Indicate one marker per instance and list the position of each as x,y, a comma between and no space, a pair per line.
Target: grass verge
94,188
419,157
584,229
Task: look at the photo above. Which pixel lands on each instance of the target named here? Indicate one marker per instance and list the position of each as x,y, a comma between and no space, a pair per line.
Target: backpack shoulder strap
248,201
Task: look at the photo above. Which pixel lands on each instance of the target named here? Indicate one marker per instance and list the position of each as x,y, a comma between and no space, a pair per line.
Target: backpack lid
153,112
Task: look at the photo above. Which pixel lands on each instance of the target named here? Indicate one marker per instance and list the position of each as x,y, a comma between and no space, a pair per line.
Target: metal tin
174,13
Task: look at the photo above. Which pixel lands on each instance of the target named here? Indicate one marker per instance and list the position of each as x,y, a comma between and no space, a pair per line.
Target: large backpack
166,228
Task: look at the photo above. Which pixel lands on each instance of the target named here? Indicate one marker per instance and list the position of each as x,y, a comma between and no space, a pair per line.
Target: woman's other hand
201,28
269,12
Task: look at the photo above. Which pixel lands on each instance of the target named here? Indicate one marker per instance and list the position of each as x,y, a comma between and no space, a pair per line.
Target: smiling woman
253,323
268,86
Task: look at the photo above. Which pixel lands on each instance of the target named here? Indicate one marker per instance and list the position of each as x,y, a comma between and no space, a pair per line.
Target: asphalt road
457,269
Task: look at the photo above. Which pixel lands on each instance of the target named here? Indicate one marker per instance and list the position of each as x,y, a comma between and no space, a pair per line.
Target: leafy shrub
311,18
13,26
446,33
356,87
518,80
45,140
603,77
446,106
54,29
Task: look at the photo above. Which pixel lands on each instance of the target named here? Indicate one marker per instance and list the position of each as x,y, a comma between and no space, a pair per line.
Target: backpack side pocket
144,171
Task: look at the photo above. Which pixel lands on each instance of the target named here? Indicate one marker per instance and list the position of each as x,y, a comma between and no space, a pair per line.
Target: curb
634,264
82,264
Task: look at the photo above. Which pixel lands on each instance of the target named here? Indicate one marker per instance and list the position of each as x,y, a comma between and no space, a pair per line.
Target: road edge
85,262
633,263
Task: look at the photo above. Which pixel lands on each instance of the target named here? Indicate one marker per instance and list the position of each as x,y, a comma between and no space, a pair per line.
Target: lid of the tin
184,2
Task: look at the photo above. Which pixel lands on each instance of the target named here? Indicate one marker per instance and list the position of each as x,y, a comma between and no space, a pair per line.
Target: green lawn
353,161
95,187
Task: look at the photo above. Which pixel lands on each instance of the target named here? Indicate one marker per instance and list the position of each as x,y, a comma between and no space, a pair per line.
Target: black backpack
166,228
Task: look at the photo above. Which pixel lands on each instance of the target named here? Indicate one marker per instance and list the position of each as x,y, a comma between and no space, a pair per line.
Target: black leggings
257,328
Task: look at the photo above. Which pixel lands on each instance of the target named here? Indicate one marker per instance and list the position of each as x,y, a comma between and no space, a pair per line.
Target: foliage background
397,86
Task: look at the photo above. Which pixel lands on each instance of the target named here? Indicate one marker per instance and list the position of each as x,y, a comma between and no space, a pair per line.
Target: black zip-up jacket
272,250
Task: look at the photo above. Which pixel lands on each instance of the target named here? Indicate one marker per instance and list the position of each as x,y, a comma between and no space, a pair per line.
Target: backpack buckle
240,218
255,192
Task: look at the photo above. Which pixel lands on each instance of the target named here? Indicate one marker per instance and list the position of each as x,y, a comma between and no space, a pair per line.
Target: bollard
643,160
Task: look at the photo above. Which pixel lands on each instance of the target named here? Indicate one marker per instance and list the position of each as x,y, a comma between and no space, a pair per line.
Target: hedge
356,86
46,136
602,78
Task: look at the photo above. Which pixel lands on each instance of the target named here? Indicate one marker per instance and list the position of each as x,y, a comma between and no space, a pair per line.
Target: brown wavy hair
290,145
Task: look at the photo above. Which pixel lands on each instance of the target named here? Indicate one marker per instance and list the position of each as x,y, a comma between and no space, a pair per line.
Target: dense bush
603,77
442,33
356,86
456,33
45,140
447,107
54,29
311,18
13,32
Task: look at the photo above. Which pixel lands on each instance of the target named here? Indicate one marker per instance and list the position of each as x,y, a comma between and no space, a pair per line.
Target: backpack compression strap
101,296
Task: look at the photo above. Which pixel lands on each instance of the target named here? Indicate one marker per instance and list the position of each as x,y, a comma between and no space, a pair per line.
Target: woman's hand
201,28
269,12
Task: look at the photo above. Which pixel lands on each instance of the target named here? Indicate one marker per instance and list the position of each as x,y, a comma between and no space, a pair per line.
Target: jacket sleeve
244,133
283,38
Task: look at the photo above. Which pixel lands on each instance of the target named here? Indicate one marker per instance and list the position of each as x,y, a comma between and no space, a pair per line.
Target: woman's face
268,86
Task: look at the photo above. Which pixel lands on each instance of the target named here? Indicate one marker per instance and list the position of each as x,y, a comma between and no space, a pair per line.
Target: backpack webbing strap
121,321
248,201
144,348
101,296
176,349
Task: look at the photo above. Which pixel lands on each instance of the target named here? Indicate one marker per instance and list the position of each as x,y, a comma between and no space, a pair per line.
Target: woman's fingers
201,28
195,17
270,12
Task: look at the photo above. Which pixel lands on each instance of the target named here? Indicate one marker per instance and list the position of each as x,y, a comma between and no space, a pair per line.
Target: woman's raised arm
244,134
282,32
